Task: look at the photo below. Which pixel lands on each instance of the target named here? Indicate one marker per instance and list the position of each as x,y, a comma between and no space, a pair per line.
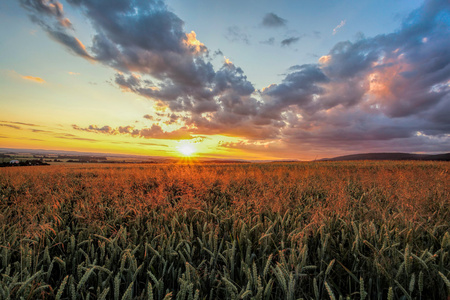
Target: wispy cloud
236,34
11,126
74,137
339,26
35,79
290,41
269,41
153,145
19,123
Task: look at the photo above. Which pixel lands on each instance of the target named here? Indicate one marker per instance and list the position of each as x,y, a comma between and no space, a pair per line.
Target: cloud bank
388,92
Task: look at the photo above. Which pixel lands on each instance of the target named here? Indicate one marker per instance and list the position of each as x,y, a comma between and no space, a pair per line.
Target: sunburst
186,149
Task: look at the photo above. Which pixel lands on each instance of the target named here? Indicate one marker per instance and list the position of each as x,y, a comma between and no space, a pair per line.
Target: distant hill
392,156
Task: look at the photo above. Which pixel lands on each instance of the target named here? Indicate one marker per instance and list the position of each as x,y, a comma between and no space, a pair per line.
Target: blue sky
248,79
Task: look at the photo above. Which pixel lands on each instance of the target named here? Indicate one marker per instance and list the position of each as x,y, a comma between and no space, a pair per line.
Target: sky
248,79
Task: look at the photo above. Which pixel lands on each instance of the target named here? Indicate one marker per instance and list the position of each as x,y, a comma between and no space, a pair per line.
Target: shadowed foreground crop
331,230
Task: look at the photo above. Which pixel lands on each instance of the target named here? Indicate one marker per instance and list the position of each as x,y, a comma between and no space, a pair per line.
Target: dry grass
364,230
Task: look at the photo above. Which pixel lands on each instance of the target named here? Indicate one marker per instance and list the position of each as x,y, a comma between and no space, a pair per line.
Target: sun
186,149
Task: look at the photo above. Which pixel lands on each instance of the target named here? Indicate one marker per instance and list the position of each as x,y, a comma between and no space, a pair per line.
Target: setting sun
186,149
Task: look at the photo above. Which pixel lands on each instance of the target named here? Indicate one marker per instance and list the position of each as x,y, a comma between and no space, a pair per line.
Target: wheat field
316,230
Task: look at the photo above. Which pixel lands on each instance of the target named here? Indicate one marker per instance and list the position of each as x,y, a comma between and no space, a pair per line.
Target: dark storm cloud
289,41
272,20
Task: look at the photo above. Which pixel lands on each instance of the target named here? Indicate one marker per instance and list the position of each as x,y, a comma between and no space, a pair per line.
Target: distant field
319,230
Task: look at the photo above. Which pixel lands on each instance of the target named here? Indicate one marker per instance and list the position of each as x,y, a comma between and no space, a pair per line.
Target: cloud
339,26
52,9
11,126
289,41
227,83
153,132
40,131
153,145
272,20
236,34
69,136
317,34
35,79
73,73
71,42
193,44
19,123
269,41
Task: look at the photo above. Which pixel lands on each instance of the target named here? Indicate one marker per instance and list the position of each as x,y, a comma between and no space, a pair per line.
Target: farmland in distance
317,230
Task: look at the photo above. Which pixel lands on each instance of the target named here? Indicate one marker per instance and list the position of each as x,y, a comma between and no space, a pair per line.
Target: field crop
319,230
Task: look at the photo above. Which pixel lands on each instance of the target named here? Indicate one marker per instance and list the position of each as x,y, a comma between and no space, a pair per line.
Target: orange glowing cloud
80,44
192,43
381,81
324,59
379,84
65,23
35,79
265,89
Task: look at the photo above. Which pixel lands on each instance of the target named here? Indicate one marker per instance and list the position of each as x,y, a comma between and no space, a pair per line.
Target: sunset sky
249,79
